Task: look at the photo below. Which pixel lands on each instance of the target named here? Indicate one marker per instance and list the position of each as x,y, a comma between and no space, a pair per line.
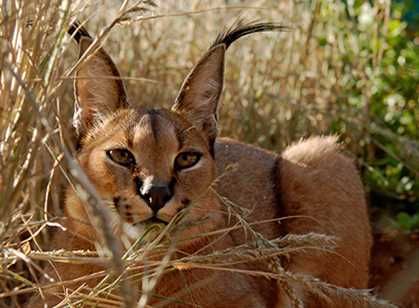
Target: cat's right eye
122,157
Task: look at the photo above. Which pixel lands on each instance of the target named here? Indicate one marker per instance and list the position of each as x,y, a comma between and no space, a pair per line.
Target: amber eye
187,159
122,157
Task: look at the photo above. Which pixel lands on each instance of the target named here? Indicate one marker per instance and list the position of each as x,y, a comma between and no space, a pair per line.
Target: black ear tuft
240,28
77,31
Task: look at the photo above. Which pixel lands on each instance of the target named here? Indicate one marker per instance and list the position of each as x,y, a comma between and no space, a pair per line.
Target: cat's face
148,164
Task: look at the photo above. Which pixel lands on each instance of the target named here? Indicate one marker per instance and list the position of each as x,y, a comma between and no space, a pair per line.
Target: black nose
155,194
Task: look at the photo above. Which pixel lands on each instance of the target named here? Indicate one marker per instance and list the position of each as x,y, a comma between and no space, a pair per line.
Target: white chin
134,232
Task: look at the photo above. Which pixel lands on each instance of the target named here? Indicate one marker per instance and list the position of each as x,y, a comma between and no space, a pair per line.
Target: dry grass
279,87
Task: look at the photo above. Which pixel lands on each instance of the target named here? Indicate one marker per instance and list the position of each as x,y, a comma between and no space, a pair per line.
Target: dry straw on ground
279,87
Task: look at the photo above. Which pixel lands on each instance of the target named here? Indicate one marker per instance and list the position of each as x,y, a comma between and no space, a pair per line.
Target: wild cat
153,164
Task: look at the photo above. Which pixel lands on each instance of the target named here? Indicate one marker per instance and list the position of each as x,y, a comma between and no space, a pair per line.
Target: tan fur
311,179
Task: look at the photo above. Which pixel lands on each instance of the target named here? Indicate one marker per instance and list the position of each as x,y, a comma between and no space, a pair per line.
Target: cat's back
247,181
311,179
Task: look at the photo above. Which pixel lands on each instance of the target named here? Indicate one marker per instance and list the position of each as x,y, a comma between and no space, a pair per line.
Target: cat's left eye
187,159
122,157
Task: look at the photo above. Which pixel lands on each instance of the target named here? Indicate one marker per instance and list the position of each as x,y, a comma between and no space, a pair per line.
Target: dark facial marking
185,202
129,134
133,121
150,118
138,184
154,114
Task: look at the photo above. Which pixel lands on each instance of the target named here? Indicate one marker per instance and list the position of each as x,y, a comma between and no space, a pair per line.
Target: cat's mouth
155,220
151,221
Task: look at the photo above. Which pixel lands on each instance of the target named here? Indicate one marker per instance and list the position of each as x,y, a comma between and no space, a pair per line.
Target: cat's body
311,181
152,164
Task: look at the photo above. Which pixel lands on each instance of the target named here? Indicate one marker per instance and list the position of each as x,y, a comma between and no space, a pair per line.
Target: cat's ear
198,97
99,90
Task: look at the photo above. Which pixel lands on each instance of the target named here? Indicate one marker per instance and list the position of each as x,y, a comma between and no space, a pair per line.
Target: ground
395,266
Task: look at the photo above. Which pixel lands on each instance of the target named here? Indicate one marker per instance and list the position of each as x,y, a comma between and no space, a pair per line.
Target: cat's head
151,163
